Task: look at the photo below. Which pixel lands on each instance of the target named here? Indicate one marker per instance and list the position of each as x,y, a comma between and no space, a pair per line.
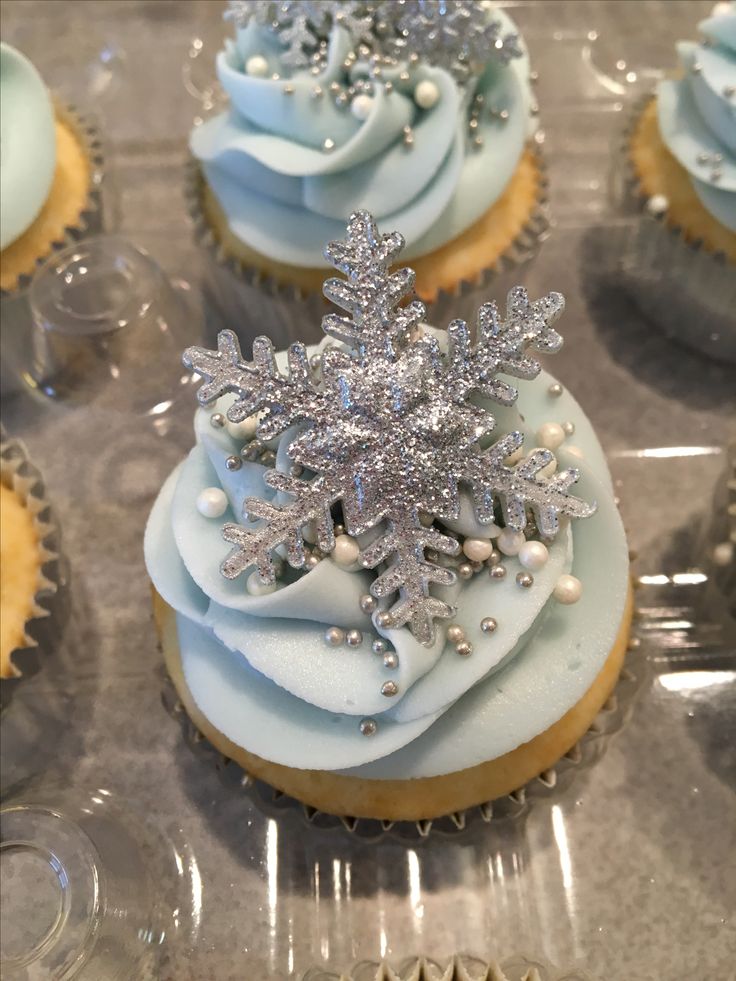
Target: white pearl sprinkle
477,549
533,555
361,106
658,204
257,66
346,550
568,590
257,587
212,502
509,541
426,94
551,435
243,430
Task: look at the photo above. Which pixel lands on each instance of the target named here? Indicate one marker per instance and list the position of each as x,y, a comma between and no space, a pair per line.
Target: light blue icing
27,144
697,115
284,196
259,668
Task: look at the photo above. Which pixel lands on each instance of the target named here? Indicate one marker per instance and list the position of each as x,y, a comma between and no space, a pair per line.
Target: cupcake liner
14,306
18,473
251,303
590,748
688,291
460,967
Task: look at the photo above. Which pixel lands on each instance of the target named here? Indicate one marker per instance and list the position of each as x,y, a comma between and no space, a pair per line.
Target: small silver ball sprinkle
296,470
379,646
525,579
328,145
311,562
334,636
368,727
368,603
217,420
497,571
464,648
465,570
233,463
568,428
383,619
555,390
389,689
268,458
338,530
391,660
488,625
494,558
353,638
455,633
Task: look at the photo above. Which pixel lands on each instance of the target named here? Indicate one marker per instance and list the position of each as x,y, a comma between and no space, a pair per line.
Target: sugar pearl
217,420
389,689
488,625
346,550
569,428
368,603
464,648
334,636
368,727
243,430
257,66
509,541
354,638
533,555
361,106
497,571
379,646
568,589
524,579
465,570
658,204
257,587
555,390
551,435
426,94
477,549
455,633
233,463
383,619
212,502
391,660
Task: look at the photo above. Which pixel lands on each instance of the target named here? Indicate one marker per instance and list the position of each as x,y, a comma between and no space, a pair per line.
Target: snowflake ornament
389,431
458,35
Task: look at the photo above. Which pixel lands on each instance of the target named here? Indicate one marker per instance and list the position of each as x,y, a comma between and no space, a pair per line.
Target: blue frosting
697,115
284,196
259,669
28,140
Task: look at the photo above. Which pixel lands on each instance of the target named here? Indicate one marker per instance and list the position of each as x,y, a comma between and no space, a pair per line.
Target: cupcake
50,175
681,151
423,114
374,587
26,551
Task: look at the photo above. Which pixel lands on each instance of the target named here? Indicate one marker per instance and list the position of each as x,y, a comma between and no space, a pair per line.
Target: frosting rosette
419,113
408,591
697,115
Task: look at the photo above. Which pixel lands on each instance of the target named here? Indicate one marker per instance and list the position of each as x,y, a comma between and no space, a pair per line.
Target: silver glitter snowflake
389,430
458,35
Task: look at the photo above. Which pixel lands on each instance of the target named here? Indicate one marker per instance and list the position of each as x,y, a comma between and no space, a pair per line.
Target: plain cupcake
425,117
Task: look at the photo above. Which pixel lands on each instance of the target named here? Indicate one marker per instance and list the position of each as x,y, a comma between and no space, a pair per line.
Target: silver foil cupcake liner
249,302
14,306
41,629
688,291
586,752
460,967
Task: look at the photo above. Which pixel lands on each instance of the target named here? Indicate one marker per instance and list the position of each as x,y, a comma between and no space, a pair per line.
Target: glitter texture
389,430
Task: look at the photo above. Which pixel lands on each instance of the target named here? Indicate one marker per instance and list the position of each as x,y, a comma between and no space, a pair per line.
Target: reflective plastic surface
620,874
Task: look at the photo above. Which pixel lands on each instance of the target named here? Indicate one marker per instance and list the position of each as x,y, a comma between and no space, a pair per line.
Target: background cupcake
681,154
50,173
421,114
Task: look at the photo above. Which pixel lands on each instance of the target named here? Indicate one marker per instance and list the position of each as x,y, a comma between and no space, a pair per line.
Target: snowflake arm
258,385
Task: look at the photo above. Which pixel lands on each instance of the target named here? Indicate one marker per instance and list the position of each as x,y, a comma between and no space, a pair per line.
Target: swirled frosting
697,115
285,195
28,143
259,668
